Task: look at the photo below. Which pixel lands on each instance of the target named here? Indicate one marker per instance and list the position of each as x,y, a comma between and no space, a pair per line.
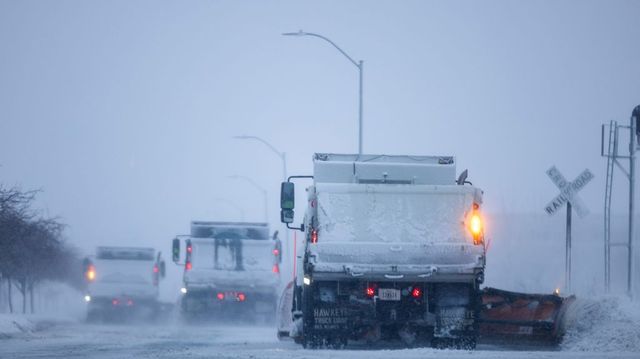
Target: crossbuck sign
569,196
568,192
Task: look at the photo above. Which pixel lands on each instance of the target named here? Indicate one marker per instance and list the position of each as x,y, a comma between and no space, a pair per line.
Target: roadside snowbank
11,324
609,324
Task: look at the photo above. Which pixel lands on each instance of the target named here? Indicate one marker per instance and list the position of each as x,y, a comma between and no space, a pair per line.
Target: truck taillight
220,296
275,269
155,268
370,291
91,273
241,297
276,252
416,292
187,263
314,236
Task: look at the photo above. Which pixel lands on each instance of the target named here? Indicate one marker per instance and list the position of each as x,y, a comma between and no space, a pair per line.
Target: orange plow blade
520,318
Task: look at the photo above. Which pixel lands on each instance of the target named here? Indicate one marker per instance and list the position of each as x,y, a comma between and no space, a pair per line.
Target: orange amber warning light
475,225
91,273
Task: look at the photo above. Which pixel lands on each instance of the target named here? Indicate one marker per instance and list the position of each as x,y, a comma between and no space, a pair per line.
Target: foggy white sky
123,112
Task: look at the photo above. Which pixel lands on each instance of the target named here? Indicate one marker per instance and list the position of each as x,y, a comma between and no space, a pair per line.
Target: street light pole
261,189
283,158
359,65
233,204
282,155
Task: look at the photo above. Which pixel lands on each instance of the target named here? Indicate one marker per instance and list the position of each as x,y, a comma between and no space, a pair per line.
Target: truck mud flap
284,317
521,318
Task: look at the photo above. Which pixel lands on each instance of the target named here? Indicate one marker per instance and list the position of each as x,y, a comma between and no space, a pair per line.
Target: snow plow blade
522,319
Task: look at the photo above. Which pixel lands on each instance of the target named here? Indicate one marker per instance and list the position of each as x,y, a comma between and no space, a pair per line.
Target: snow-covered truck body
121,281
230,269
393,249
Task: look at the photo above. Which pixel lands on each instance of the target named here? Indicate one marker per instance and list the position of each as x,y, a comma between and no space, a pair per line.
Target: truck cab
394,249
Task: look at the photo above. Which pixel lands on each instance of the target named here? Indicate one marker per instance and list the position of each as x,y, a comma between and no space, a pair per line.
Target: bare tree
31,247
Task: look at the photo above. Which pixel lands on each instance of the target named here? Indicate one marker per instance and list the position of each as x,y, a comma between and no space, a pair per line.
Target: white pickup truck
122,282
393,249
231,270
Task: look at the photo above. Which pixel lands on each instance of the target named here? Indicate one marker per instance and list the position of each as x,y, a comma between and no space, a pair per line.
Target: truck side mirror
286,216
287,195
176,250
163,269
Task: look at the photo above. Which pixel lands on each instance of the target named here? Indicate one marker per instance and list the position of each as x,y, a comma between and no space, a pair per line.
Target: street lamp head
299,33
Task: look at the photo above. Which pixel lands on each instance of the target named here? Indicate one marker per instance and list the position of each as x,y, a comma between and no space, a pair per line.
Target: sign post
569,196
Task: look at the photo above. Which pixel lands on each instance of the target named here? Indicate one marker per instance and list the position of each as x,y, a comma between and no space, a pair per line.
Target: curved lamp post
260,188
358,64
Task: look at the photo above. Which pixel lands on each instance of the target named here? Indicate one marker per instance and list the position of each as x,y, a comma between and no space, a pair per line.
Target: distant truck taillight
187,263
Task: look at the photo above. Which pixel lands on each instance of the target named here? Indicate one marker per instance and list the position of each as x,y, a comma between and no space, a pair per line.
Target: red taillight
275,269
276,252
314,236
371,291
130,302
220,296
188,266
416,292
115,301
241,297
156,269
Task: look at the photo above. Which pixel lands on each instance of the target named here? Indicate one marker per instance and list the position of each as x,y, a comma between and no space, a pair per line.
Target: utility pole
613,159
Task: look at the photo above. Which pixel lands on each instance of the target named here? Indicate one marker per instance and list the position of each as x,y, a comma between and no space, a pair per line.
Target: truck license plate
388,294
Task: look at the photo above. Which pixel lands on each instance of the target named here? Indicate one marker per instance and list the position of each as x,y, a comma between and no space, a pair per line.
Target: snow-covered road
77,340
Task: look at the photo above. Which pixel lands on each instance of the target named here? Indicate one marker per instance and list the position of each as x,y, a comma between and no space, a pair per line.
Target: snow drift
609,324
11,325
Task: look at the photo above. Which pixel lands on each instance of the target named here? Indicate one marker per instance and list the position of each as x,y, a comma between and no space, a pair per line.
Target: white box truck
122,283
393,249
231,270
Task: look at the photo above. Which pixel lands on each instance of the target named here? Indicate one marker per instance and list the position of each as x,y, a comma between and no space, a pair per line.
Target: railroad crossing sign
568,191
569,196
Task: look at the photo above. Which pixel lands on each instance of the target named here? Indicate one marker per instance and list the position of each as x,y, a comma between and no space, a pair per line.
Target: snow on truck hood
395,224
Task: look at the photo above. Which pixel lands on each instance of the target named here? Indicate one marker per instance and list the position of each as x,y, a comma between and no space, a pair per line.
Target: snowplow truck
122,283
393,249
231,271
